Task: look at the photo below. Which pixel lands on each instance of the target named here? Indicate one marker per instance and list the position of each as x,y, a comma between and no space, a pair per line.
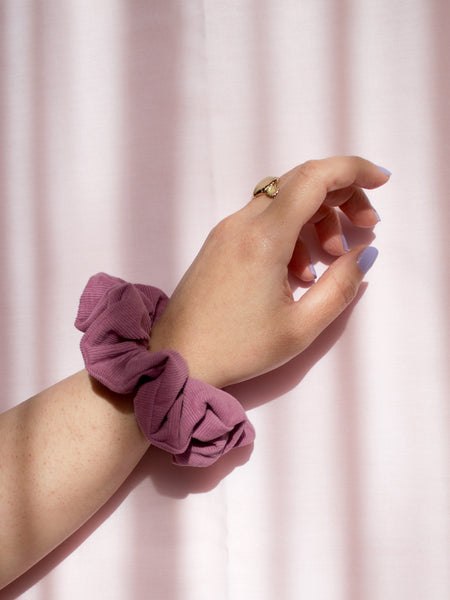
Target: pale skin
67,450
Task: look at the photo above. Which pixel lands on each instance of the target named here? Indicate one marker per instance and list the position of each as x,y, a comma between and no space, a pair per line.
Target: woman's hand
233,315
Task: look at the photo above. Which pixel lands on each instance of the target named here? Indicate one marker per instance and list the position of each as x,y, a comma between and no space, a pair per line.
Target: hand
233,315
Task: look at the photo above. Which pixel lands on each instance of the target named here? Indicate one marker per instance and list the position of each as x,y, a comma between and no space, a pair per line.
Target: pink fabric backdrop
128,129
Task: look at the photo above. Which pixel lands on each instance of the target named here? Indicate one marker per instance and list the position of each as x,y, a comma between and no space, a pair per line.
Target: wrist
163,339
183,415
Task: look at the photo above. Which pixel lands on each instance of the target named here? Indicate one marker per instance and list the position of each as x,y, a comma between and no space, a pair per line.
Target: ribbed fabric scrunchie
194,421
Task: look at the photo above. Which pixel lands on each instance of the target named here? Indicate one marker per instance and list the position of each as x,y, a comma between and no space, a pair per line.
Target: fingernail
385,171
376,213
366,259
344,243
313,270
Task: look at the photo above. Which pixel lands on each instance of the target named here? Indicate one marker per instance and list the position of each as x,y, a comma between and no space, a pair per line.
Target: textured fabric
194,421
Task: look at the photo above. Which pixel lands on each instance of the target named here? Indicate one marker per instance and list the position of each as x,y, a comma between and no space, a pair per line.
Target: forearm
63,454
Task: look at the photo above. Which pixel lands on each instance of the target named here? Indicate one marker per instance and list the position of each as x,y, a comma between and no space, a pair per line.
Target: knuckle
226,232
310,174
223,229
309,169
345,290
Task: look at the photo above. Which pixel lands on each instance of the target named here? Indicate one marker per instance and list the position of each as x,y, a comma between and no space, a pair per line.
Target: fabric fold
194,421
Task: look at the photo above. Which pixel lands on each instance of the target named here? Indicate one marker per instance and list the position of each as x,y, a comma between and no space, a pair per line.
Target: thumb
330,295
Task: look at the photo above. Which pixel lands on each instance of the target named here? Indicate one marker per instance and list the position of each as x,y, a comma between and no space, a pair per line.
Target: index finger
303,190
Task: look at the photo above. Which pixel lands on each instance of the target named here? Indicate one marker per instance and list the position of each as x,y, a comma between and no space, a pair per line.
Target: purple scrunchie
194,421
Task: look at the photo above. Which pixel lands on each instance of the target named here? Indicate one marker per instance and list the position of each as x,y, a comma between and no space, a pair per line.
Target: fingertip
313,271
307,273
345,246
367,218
373,176
384,170
335,245
377,214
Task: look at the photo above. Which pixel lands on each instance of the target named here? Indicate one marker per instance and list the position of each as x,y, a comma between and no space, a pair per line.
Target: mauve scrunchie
192,420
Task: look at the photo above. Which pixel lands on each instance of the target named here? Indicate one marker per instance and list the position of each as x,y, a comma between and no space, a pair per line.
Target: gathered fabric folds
194,421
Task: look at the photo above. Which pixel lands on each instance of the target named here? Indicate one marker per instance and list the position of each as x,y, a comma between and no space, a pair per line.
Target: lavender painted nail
385,171
345,243
313,270
367,258
376,212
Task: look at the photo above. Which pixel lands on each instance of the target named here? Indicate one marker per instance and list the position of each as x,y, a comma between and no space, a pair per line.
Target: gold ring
268,186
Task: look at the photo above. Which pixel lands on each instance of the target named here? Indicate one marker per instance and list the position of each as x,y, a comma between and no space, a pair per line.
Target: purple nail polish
376,212
345,244
313,270
385,171
367,258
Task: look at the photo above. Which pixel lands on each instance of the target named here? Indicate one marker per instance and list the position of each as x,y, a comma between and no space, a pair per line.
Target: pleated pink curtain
128,129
